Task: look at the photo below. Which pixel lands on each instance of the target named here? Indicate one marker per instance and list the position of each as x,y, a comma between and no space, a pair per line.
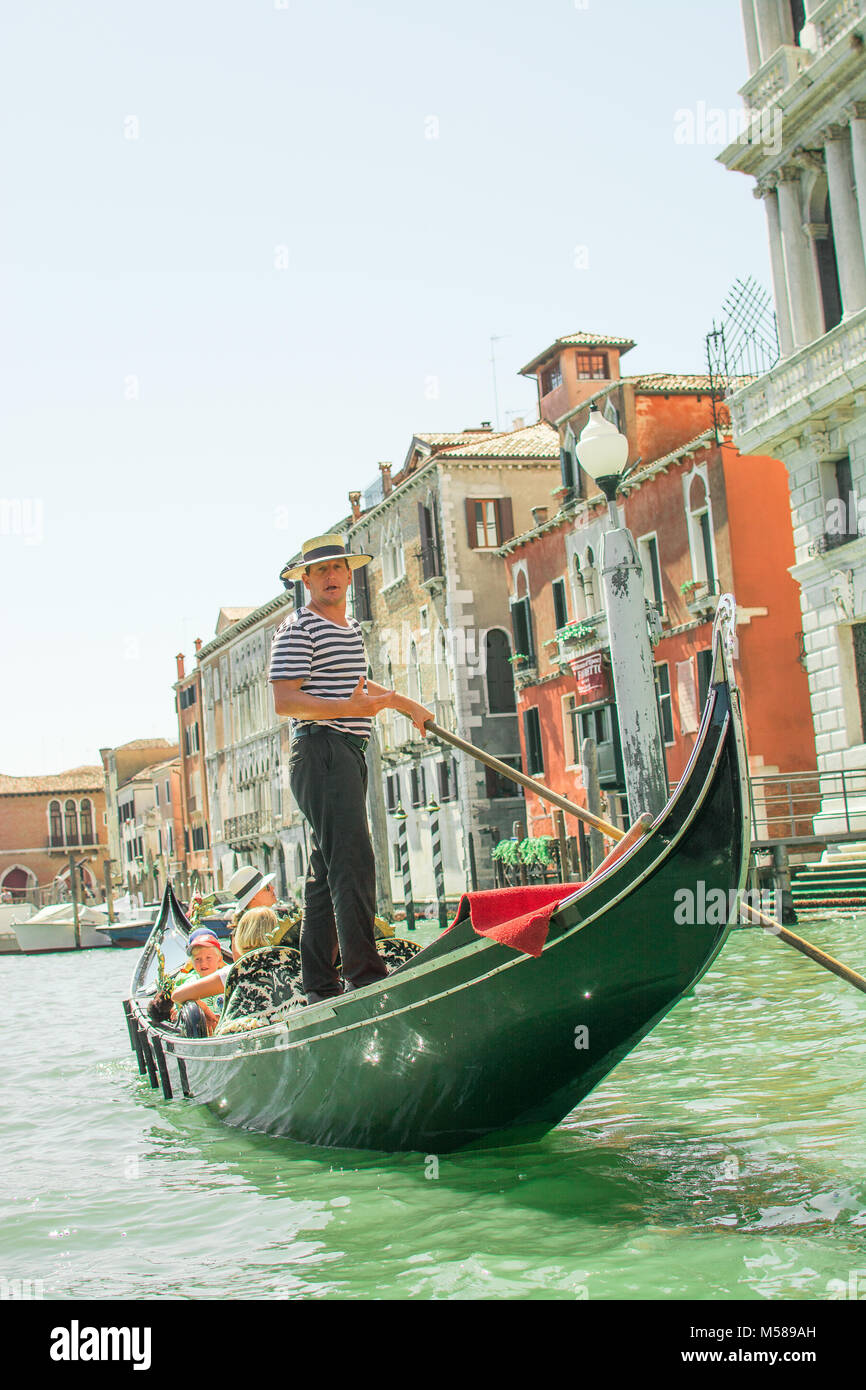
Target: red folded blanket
516,917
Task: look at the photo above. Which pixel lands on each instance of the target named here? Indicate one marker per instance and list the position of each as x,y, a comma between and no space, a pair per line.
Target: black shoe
313,998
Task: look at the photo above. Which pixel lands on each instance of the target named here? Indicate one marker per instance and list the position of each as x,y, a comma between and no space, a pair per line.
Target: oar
820,957
644,822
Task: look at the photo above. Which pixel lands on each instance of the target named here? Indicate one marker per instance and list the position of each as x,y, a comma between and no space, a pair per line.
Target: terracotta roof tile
75,779
539,441
146,743
674,382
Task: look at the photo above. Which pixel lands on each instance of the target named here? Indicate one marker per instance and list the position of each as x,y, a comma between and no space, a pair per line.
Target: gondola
470,1042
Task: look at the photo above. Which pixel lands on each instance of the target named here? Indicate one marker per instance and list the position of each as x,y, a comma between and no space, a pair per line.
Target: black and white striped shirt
330,659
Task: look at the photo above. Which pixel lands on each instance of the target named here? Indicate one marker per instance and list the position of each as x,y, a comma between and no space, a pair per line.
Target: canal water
723,1159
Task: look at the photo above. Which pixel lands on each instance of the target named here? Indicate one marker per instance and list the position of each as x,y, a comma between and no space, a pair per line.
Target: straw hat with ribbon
330,547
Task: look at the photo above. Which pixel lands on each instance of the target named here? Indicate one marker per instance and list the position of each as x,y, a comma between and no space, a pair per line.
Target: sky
250,246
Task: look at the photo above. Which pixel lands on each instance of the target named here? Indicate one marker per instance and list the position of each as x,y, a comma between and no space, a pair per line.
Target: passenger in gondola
205,958
255,929
251,888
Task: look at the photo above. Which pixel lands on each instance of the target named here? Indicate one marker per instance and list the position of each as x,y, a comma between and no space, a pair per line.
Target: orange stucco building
705,521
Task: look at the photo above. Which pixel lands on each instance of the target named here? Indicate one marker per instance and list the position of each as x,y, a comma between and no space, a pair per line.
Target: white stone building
434,603
804,142
253,817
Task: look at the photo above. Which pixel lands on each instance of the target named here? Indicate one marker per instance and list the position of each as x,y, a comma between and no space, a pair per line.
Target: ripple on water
724,1158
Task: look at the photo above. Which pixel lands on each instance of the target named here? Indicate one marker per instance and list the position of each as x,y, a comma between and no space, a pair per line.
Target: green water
724,1159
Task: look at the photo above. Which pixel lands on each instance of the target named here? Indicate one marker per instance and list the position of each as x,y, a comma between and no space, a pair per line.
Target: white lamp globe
601,449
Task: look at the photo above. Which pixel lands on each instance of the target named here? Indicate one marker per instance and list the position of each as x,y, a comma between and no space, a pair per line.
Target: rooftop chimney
385,470
539,515
197,645
355,501
519,422
180,670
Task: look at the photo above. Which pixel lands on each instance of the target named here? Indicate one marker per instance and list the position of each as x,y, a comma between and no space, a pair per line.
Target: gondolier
319,676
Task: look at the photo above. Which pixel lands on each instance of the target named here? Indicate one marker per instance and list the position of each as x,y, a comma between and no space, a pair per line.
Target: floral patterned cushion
264,986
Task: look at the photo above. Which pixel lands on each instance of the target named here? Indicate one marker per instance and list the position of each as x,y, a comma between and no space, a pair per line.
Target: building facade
700,530
807,86
253,817
194,863
435,609
42,821
123,815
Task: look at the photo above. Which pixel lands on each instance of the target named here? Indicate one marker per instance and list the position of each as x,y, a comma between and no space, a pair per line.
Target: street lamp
602,452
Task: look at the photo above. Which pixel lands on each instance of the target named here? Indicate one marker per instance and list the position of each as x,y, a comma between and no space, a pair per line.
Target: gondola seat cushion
395,950
264,986
261,984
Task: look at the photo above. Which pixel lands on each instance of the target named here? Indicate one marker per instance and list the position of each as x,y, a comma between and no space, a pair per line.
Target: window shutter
506,519
426,528
472,532
361,594
566,468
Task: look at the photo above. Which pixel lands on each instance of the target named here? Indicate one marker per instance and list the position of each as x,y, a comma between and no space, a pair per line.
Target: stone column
777,266
771,32
750,28
846,220
858,158
807,320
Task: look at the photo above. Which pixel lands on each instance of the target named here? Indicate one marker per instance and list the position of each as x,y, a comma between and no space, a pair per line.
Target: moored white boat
10,913
53,929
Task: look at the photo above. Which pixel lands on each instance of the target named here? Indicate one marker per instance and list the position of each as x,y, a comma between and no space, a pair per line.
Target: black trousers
328,778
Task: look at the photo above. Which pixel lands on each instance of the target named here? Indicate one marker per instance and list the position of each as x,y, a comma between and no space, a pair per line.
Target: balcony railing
835,18
239,829
814,368
444,712
58,843
769,82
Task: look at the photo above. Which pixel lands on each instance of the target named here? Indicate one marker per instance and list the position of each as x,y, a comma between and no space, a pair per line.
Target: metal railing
238,828
783,805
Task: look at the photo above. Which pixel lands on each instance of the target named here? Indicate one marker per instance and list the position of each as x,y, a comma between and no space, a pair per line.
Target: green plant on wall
529,851
506,852
577,632
538,851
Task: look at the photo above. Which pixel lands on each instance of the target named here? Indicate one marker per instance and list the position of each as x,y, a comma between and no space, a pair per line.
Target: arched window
87,822
701,533
71,822
579,590
393,567
590,584
500,679
56,823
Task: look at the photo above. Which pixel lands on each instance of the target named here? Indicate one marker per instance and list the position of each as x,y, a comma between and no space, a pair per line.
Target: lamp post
602,452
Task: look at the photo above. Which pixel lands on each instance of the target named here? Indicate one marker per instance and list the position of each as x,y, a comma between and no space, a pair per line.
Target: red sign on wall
590,674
